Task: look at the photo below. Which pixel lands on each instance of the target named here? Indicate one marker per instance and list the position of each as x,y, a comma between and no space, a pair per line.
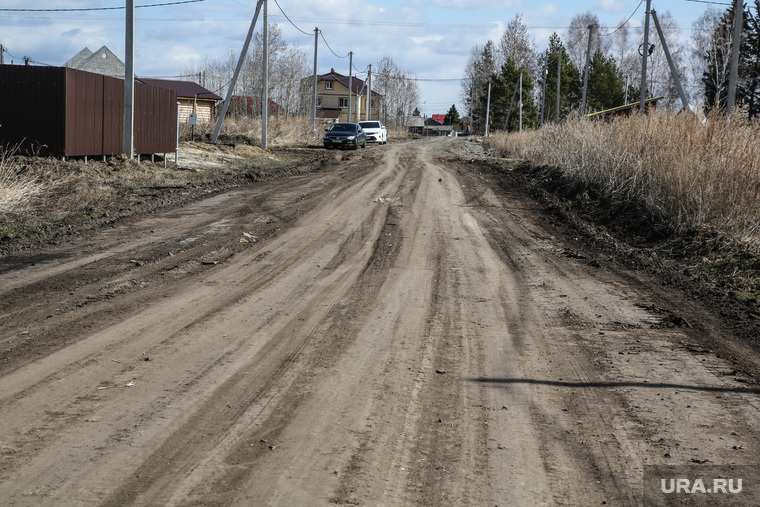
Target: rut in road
404,333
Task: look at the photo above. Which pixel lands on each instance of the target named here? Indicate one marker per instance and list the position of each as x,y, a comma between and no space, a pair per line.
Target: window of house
344,102
319,101
328,85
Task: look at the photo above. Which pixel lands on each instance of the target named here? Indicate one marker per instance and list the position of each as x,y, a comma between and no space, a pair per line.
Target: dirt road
397,329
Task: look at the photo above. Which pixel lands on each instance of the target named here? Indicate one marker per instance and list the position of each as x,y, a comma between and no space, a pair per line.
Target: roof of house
625,107
184,89
102,61
356,83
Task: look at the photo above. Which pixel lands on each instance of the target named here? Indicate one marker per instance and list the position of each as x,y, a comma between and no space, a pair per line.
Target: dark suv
345,135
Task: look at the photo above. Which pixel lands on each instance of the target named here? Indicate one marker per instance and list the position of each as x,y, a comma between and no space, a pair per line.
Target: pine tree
452,117
605,87
571,84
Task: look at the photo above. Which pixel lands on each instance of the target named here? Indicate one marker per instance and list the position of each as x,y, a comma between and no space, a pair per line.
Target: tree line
614,76
290,81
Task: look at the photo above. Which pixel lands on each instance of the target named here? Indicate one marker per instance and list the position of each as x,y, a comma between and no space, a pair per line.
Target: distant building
190,97
102,62
333,96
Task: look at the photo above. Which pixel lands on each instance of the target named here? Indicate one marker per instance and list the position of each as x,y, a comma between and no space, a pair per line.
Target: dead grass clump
17,190
691,173
281,131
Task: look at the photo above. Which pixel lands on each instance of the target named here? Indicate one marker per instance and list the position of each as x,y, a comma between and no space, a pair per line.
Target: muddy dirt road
395,329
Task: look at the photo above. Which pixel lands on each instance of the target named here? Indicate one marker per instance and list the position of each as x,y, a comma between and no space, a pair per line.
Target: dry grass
691,173
17,190
281,131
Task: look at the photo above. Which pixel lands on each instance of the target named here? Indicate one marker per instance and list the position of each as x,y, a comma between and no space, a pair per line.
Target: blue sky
430,38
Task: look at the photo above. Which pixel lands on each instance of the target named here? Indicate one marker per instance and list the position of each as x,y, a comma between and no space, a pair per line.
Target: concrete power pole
559,78
585,73
543,95
2,55
314,89
369,93
350,81
520,129
129,81
231,88
645,53
733,73
488,105
673,70
265,81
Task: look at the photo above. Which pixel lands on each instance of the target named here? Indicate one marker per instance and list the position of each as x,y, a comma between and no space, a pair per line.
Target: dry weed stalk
693,174
17,190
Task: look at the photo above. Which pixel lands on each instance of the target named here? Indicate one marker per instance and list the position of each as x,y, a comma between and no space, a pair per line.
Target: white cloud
611,6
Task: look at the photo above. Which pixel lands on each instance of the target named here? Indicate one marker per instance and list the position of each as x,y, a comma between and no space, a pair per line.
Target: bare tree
481,65
517,45
400,93
577,41
708,46
660,80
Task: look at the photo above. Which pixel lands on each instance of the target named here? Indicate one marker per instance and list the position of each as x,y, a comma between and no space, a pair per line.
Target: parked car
345,135
376,132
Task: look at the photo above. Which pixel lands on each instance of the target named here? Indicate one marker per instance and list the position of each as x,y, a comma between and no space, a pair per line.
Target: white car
376,132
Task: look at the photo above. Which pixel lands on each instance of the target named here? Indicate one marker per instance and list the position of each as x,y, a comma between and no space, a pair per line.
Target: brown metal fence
62,111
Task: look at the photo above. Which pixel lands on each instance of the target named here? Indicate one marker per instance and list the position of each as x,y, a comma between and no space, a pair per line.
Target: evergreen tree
571,82
452,117
503,87
605,87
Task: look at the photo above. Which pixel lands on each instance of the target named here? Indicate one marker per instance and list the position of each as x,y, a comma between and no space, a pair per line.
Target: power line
88,9
328,46
286,17
625,22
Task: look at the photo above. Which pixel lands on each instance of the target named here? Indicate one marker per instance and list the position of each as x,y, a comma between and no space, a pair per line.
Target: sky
430,39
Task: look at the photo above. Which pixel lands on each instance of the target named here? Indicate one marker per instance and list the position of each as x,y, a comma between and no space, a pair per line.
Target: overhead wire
625,22
89,9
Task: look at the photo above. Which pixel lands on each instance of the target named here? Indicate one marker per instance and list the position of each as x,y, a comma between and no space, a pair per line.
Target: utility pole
645,53
369,93
2,55
733,73
350,81
265,79
511,105
472,104
314,89
585,74
129,81
520,100
673,70
488,105
231,88
559,78
543,94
